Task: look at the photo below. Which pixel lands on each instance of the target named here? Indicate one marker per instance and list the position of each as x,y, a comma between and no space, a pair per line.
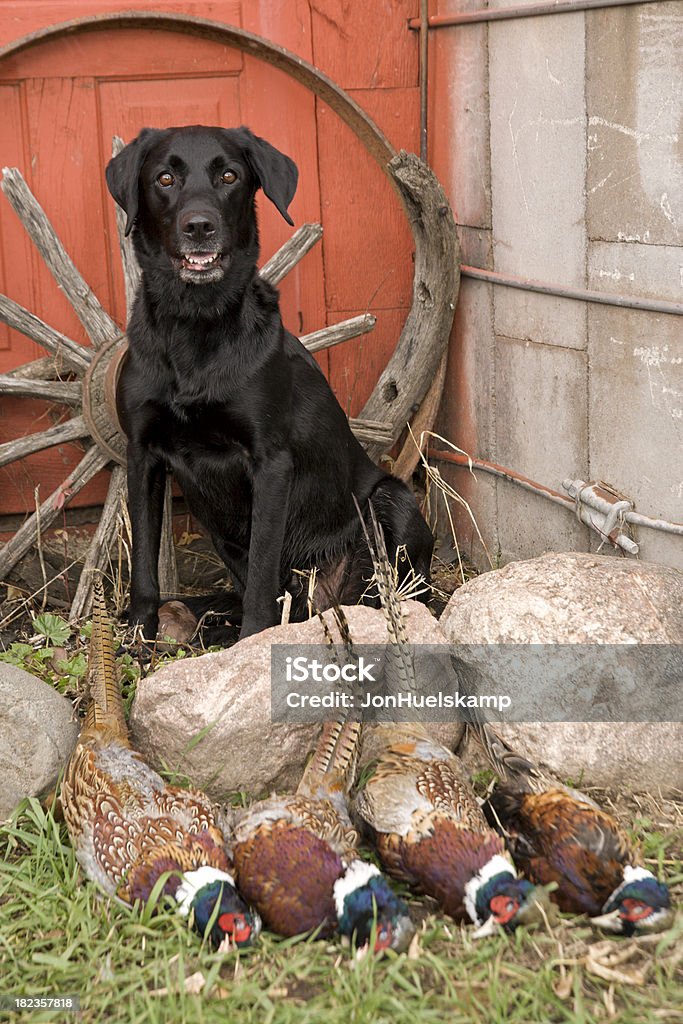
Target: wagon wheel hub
99,399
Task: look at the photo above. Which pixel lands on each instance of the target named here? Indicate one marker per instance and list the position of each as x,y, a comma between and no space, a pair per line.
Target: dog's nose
198,226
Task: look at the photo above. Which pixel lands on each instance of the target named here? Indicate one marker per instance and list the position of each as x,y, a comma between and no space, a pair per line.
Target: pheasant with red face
129,828
429,831
296,857
421,812
558,835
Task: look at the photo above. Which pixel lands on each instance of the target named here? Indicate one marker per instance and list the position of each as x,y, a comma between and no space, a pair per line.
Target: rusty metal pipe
631,517
522,11
502,471
581,294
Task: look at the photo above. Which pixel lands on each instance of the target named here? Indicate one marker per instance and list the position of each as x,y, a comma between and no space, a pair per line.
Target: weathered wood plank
91,463
129,261
409,373
97,322
168,567
67,392
73,355
45,368
372,432
101,543
420,425
59,434
326,337
291,253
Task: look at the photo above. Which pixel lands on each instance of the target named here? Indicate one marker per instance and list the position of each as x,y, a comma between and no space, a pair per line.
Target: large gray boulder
210,717
568,599
38,733
583,599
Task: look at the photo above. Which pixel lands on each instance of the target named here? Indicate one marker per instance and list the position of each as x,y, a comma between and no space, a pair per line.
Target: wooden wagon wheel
409,386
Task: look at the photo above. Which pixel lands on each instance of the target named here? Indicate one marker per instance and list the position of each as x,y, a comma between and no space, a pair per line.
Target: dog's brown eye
165,179
228,177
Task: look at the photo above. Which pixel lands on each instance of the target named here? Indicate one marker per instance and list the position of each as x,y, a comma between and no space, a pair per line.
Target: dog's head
190,192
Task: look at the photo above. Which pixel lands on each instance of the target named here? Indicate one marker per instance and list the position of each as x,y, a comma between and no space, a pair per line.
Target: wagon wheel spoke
45,368
74,356
372,432
97,322
290,253
101,543
92,462
327,337
168,566
72,430
129,262
68,392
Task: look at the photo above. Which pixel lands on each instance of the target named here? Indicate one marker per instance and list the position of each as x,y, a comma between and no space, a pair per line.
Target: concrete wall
559,141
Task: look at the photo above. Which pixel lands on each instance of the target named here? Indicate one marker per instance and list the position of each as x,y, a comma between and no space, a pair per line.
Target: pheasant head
496,897
364,899
640,904
210,895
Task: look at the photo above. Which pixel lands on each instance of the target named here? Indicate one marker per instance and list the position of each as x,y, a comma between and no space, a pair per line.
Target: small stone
39,731
176,622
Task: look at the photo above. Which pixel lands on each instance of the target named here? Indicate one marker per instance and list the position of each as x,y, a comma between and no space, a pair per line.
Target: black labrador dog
215,389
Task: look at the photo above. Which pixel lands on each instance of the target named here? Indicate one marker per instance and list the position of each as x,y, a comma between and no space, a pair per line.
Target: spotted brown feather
419,807
128,827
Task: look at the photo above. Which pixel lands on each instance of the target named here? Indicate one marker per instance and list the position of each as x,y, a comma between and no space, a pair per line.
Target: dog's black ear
276,173
123,173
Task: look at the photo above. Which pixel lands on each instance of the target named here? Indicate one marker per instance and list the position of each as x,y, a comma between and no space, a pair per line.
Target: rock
39,731
569,598
176,622
225,699
582,599
630,757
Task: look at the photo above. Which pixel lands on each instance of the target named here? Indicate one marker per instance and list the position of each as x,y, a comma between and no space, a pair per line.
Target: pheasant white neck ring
194,881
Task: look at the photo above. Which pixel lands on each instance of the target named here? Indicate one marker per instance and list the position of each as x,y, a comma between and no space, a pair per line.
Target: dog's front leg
146,480
272,477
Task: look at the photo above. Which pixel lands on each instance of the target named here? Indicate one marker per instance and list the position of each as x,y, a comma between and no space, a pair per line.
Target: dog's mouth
200,261
201,266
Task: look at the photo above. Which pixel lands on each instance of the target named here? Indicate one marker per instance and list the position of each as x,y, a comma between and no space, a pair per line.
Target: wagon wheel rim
398,393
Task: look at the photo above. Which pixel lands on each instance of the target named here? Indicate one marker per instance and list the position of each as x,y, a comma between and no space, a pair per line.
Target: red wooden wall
61,102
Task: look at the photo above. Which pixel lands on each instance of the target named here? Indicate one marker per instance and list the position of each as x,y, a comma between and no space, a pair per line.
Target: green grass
58,935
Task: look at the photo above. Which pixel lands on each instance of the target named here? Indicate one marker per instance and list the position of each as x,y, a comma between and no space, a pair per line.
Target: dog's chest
190,430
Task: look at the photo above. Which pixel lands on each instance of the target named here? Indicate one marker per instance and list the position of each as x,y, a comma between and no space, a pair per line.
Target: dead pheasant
296,857
419,808
129,828
557,834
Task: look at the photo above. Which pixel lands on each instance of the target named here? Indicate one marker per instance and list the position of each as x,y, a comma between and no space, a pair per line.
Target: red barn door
62,101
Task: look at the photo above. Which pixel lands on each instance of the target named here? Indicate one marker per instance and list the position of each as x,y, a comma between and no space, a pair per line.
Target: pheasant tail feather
333,765
520,773
105,710
400,662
